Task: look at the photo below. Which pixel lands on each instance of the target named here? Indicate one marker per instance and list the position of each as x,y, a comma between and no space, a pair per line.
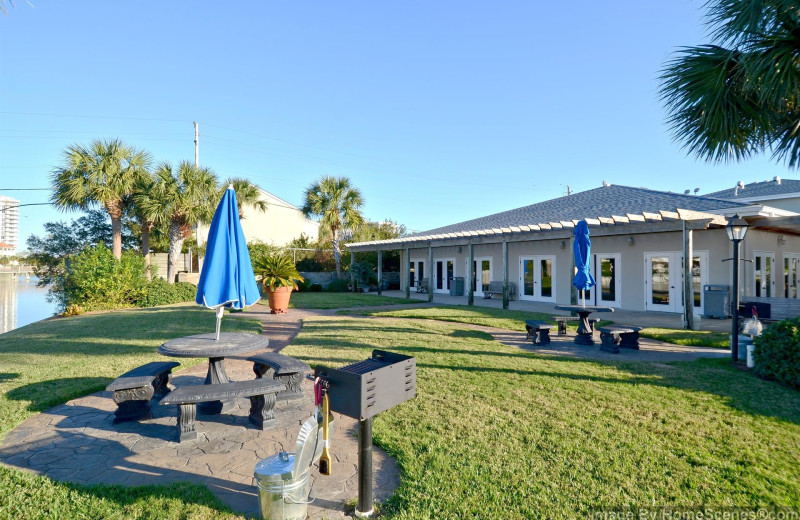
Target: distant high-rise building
9,224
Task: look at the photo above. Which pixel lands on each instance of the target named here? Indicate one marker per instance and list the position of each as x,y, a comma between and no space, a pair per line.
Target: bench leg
544,337
630,340
262,410
562,328
187,413
609,342
160,383
293,381
132,403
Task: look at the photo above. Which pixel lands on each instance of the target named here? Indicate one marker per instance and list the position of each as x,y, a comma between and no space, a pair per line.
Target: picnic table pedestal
585,332
206,345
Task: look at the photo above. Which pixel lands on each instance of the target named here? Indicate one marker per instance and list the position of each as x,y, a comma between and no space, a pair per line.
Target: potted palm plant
279,276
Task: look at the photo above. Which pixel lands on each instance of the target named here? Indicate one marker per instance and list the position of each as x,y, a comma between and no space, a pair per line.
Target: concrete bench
615,336
493,288
284,369
134,389
562,321
260,391
538,331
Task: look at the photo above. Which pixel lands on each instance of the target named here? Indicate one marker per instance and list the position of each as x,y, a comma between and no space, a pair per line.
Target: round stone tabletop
206,345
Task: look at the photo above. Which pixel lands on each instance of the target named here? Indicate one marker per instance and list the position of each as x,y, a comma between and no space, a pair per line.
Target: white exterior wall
279,225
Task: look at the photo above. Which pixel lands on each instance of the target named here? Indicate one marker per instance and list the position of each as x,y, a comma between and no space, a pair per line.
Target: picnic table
206,346
585,336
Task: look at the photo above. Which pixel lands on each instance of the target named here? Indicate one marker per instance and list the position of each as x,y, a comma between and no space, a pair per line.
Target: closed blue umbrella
227,278
582,249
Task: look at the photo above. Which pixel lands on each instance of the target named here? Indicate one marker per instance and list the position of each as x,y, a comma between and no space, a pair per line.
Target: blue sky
438,111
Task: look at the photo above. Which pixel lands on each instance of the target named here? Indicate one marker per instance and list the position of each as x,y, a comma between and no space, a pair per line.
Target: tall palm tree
247,194
149,208
189,195
739,96
336,203
103,173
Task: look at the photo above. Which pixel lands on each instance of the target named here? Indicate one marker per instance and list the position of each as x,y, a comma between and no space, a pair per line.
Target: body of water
21,302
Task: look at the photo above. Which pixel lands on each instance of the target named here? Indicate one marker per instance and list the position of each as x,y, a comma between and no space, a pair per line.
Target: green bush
777,353
160,292
94,280
315,287
337,286
308,265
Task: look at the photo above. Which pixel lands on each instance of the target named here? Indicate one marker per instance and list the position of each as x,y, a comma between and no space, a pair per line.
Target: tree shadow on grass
7,376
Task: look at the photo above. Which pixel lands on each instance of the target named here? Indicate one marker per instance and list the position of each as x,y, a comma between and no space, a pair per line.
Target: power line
94,117
24,189
31,204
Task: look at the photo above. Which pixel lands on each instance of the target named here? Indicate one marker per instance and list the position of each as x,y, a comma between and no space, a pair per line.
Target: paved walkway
77,441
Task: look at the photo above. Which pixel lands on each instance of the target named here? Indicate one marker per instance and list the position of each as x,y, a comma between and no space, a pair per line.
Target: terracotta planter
279,299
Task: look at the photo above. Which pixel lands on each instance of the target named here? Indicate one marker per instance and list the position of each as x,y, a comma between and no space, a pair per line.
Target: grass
498,432
513,320
326,300
50,362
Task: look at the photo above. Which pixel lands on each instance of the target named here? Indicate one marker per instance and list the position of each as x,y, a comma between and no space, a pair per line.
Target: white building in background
9,225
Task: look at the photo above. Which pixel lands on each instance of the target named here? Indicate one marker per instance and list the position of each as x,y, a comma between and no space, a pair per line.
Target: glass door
443,270
608,276
790,261
481,274
417,268
537,278
764,275
662,281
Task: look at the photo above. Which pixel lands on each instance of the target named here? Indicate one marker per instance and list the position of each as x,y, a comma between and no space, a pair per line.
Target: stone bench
134,389
538,331
615,336
284,369
260,391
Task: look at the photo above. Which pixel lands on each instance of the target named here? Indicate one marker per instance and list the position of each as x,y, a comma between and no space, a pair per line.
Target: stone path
77,441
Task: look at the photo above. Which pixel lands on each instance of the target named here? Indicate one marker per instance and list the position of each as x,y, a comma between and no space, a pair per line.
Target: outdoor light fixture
563,244
630,241
736,229
781,240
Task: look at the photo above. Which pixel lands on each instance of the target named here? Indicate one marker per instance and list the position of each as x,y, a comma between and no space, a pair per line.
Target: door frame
478,259
446,282
537,276
416,262
770,291
617,303
787,283
676,293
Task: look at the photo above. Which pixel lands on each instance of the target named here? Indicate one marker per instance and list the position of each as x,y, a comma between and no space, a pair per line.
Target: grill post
364,509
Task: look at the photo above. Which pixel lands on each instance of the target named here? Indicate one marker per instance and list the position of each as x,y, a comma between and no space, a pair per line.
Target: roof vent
777,180
606,184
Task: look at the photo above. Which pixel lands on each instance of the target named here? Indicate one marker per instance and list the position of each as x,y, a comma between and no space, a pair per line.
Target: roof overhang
661,222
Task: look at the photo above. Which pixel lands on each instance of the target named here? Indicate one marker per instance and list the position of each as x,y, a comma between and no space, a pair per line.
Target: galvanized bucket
282,495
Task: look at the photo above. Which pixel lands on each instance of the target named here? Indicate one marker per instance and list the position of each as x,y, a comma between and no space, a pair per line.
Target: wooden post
688,294
408,273
505,274
430,274
471,275
352,275
380,270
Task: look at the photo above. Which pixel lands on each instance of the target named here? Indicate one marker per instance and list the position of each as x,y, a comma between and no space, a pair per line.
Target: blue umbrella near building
227,278
582,249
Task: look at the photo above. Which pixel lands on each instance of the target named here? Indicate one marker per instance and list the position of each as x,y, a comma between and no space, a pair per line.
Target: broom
325,458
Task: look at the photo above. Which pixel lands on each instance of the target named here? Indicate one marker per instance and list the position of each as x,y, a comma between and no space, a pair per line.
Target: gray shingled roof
759,189
599,202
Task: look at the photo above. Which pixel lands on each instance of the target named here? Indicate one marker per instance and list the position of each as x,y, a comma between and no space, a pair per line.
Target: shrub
160,292
777,353
309,265
315,287
94,279
337,286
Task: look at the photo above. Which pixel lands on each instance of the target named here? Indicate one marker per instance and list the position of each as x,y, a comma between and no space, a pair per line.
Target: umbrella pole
583,301
220,312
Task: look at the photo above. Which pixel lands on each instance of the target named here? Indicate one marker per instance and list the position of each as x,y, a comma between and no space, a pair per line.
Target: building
640,238
279,225
9,224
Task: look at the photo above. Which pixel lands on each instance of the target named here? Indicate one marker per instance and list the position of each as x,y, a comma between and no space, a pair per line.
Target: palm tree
149,208
337,205
189,196
739,96
247,194
103,173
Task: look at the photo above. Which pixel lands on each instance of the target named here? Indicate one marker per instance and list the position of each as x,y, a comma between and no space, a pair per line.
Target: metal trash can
457,286
282,495
716,301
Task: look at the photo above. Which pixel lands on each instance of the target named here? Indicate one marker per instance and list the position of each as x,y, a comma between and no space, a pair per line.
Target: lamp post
736,229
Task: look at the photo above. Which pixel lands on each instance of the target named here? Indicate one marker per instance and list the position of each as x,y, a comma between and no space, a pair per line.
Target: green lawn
50,362
326,300
497,432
